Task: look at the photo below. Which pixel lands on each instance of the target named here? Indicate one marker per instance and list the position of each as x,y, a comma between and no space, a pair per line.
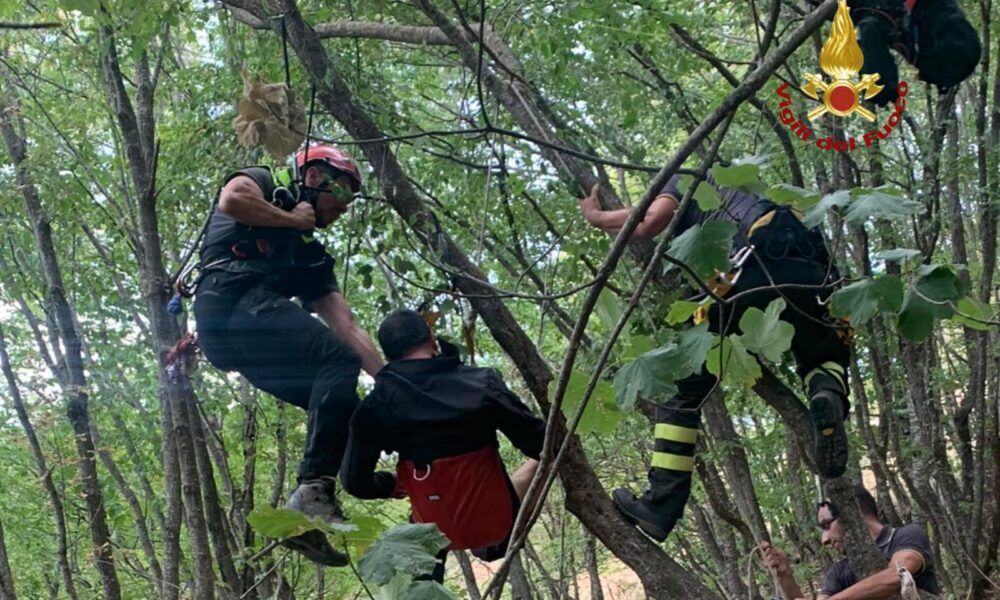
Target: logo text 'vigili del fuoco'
841,59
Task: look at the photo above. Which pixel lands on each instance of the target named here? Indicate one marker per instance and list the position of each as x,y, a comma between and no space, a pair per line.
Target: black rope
309,127
284,51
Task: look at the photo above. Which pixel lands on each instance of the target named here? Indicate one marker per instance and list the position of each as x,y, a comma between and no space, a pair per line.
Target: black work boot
316,498
826,409
637,511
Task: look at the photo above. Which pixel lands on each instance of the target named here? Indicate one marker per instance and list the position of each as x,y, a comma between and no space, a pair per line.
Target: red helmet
335,157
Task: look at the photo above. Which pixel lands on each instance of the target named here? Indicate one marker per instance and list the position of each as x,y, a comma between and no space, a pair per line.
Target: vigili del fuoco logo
841,59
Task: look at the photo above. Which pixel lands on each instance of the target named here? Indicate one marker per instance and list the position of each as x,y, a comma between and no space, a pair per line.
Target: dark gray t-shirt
736,204
889,541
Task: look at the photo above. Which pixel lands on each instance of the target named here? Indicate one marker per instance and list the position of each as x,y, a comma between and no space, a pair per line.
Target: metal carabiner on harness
736,262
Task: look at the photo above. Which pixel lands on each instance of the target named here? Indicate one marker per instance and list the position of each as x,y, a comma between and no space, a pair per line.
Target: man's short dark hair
402,331
866,503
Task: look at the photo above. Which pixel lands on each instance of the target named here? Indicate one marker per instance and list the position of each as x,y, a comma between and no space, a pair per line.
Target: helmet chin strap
309,194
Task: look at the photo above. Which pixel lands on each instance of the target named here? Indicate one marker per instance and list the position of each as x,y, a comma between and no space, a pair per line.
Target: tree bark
74,384
593,568
138,135
468,575
6,575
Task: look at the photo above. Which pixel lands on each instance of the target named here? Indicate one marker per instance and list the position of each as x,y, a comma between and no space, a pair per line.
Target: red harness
467,496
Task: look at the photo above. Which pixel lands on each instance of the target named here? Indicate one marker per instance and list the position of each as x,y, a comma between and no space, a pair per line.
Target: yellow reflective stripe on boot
675,433
674,462
830,369
836,370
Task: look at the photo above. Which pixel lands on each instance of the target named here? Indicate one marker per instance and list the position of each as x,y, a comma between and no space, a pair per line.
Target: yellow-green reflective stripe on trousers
675,433
674,462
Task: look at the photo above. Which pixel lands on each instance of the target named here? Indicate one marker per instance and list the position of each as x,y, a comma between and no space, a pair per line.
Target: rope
754,552
284,52
309,126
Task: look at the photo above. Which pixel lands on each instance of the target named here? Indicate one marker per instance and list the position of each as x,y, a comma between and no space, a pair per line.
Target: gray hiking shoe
316,498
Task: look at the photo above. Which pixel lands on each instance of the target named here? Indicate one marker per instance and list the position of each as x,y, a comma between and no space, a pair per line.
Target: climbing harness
723,283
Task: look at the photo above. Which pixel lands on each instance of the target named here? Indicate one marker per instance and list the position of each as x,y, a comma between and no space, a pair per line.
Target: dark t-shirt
889,541
737,205
289,261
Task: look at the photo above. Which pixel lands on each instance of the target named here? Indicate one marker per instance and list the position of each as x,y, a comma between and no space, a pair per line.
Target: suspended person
774,244
258,253
906,546
932,35
442,418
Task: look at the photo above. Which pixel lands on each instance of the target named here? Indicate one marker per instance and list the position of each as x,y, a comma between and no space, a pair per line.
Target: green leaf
705,195
881,202
972,312
889,290
681,310
785,193
653,373
429,590
368,528
408,548
635,346
764,333
897,254
396,588
732,360
737,176
608,308
817,213
694,344
601,415
862,300
280,523
930,298
86,7
641,377
705,247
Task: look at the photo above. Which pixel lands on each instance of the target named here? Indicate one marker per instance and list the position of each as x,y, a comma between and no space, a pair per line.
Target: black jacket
432,408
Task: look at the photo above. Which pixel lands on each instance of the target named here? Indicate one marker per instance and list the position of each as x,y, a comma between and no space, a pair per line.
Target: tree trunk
6,576
468,575
720,428
138,135
74,382
593,568
520,587
58,514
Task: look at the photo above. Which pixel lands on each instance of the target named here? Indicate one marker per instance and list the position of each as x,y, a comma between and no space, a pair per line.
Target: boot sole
830,437
644,526
314,546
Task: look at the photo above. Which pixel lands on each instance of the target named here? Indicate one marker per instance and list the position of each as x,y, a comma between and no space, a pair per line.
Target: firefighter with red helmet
259,253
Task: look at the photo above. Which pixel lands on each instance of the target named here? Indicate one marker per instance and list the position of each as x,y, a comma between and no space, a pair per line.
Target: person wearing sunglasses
258,253
906,546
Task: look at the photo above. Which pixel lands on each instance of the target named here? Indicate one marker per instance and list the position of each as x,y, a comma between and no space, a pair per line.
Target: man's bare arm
656,219
884,583
241,198
333,309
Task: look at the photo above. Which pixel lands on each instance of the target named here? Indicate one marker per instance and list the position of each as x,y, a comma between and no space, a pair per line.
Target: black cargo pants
790,254
246,326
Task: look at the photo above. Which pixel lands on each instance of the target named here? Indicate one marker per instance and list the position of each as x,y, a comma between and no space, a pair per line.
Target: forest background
127,476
